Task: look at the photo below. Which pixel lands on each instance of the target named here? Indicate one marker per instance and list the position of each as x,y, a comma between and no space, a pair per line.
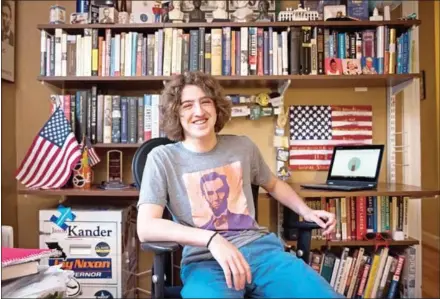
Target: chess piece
197,15
176,15
220,14
263,7
243,13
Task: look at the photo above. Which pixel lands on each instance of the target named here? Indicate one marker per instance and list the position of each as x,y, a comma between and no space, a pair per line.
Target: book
19,270
15,256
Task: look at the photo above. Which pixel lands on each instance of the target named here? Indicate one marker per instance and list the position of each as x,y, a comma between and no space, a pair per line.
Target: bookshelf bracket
283,86
399,87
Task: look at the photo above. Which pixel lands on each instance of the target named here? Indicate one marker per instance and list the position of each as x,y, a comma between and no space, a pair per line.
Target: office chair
160,288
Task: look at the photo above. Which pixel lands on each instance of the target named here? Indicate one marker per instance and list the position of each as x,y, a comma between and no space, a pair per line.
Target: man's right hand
232,262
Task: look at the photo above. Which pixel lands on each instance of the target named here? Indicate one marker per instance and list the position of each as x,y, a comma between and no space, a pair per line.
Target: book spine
116,119
124,119
108,119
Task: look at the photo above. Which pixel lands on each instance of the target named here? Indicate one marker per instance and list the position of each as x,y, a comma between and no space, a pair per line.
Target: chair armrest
160,247
305,225
304,238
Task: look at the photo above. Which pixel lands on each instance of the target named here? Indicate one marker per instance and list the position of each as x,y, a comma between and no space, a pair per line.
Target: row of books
105,118
111,118
224,51
363,273
358,215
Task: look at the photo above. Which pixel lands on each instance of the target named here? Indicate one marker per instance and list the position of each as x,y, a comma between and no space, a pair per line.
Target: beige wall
429,114
9,185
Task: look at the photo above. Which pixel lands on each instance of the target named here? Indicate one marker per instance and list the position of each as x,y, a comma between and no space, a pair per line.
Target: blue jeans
275,274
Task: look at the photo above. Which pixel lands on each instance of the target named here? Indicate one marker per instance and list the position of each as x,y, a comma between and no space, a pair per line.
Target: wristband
210,239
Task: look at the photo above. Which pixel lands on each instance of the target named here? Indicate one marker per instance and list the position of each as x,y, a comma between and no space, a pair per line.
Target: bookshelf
77,28
272,81
393,83
384,189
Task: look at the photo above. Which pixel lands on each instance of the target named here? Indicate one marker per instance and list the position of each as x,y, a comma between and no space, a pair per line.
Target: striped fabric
315,130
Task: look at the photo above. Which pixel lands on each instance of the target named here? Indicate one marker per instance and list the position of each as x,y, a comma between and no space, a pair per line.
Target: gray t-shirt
209,190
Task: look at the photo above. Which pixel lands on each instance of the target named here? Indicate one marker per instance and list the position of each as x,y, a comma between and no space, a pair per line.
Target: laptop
352,168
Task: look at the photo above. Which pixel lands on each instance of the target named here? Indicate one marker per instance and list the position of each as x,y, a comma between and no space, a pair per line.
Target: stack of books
23,262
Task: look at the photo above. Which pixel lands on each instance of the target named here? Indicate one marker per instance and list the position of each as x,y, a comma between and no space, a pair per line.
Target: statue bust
197,15
220,14
176,15
263,7
242,12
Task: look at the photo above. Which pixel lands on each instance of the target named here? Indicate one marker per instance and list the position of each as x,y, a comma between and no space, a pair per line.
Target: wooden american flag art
315,130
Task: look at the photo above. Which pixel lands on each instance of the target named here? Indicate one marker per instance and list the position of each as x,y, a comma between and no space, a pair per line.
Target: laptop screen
356,163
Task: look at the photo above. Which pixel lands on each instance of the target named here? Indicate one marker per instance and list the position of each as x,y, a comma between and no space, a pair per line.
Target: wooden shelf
320,243
344,81
383,189
254,81
117,145
94,191
347,25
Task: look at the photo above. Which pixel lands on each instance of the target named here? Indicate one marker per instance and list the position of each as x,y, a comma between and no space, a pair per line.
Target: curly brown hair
171,98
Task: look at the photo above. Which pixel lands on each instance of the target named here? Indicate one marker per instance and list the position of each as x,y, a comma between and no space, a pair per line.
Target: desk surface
383,189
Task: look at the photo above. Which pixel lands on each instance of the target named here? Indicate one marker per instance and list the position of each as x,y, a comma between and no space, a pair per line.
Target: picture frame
207,5
422,85
8,40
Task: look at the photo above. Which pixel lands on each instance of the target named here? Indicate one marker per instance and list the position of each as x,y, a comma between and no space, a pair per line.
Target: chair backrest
140,157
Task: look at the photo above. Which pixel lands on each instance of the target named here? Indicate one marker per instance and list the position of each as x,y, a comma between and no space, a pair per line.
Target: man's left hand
323,218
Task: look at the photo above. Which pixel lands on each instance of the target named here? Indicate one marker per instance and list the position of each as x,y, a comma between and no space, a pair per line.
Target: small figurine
166,11
197,15
263,6
243,13
157,11
176,15
376,16
220,14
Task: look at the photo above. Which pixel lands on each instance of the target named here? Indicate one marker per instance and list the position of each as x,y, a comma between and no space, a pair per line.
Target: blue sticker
103,294
86,268
66,214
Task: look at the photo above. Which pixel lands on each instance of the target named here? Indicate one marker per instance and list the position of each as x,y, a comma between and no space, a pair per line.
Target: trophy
114,171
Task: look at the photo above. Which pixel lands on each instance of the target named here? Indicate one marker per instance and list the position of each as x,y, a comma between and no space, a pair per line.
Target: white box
100,246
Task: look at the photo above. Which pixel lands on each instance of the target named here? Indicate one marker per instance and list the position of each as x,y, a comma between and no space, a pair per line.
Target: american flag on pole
315,130
52,156
91,153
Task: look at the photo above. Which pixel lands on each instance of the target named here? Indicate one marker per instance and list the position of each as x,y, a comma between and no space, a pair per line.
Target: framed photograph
351,66
252,4
187,5
8,40
333,66
369,65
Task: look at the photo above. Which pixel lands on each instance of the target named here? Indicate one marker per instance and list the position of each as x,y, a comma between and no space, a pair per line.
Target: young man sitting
208,179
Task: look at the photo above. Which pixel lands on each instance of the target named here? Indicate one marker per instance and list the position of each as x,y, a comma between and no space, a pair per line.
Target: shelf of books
362,257
78,28
311,54
368,273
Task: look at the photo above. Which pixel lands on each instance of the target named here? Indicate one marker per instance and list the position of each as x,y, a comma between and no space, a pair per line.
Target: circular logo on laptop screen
354,164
